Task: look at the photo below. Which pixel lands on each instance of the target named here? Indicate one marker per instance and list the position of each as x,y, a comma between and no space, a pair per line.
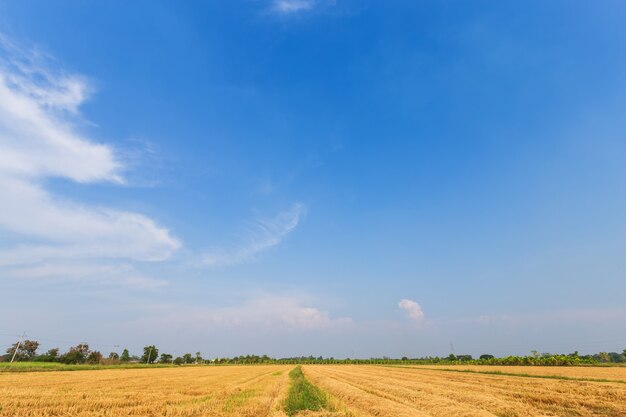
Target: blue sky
322,177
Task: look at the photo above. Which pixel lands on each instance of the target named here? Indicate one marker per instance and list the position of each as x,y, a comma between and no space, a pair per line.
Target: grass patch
202,399
303,395
238,399
55,366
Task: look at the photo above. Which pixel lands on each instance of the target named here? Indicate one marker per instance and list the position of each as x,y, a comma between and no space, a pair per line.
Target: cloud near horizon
411,309
39,140
267,311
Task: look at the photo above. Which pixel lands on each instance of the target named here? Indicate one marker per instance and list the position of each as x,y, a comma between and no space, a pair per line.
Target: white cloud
274,310
99,273
268,311
292,6
74,230
260,236
39,139
412,309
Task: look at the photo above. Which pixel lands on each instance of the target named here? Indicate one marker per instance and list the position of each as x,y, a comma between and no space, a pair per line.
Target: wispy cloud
287,7
412,309
39,139
259,236
269,311
292,6
99,273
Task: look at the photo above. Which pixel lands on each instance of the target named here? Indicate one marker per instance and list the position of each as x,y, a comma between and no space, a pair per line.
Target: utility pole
18,346
149,354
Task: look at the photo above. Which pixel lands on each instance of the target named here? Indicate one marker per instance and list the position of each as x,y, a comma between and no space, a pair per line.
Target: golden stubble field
185,391
360,391
378,391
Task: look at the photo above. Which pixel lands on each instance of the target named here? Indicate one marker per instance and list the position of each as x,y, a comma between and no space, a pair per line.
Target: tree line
81,354
26,351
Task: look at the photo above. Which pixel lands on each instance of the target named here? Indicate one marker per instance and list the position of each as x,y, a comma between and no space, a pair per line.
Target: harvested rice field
184,391
378,391
311,390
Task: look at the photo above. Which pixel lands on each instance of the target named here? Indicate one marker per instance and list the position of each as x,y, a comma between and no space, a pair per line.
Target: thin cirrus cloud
295,6
274,311
411,309
98,273
292,6
39,108
260,236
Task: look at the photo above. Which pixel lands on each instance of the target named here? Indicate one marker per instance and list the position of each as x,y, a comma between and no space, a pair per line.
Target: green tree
82,348
52,355
165,358
94,357
150,354
178,361
603,357
486,356
30,348
76,354
25,350
114,356
13,351
187,358
198,357
125,356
